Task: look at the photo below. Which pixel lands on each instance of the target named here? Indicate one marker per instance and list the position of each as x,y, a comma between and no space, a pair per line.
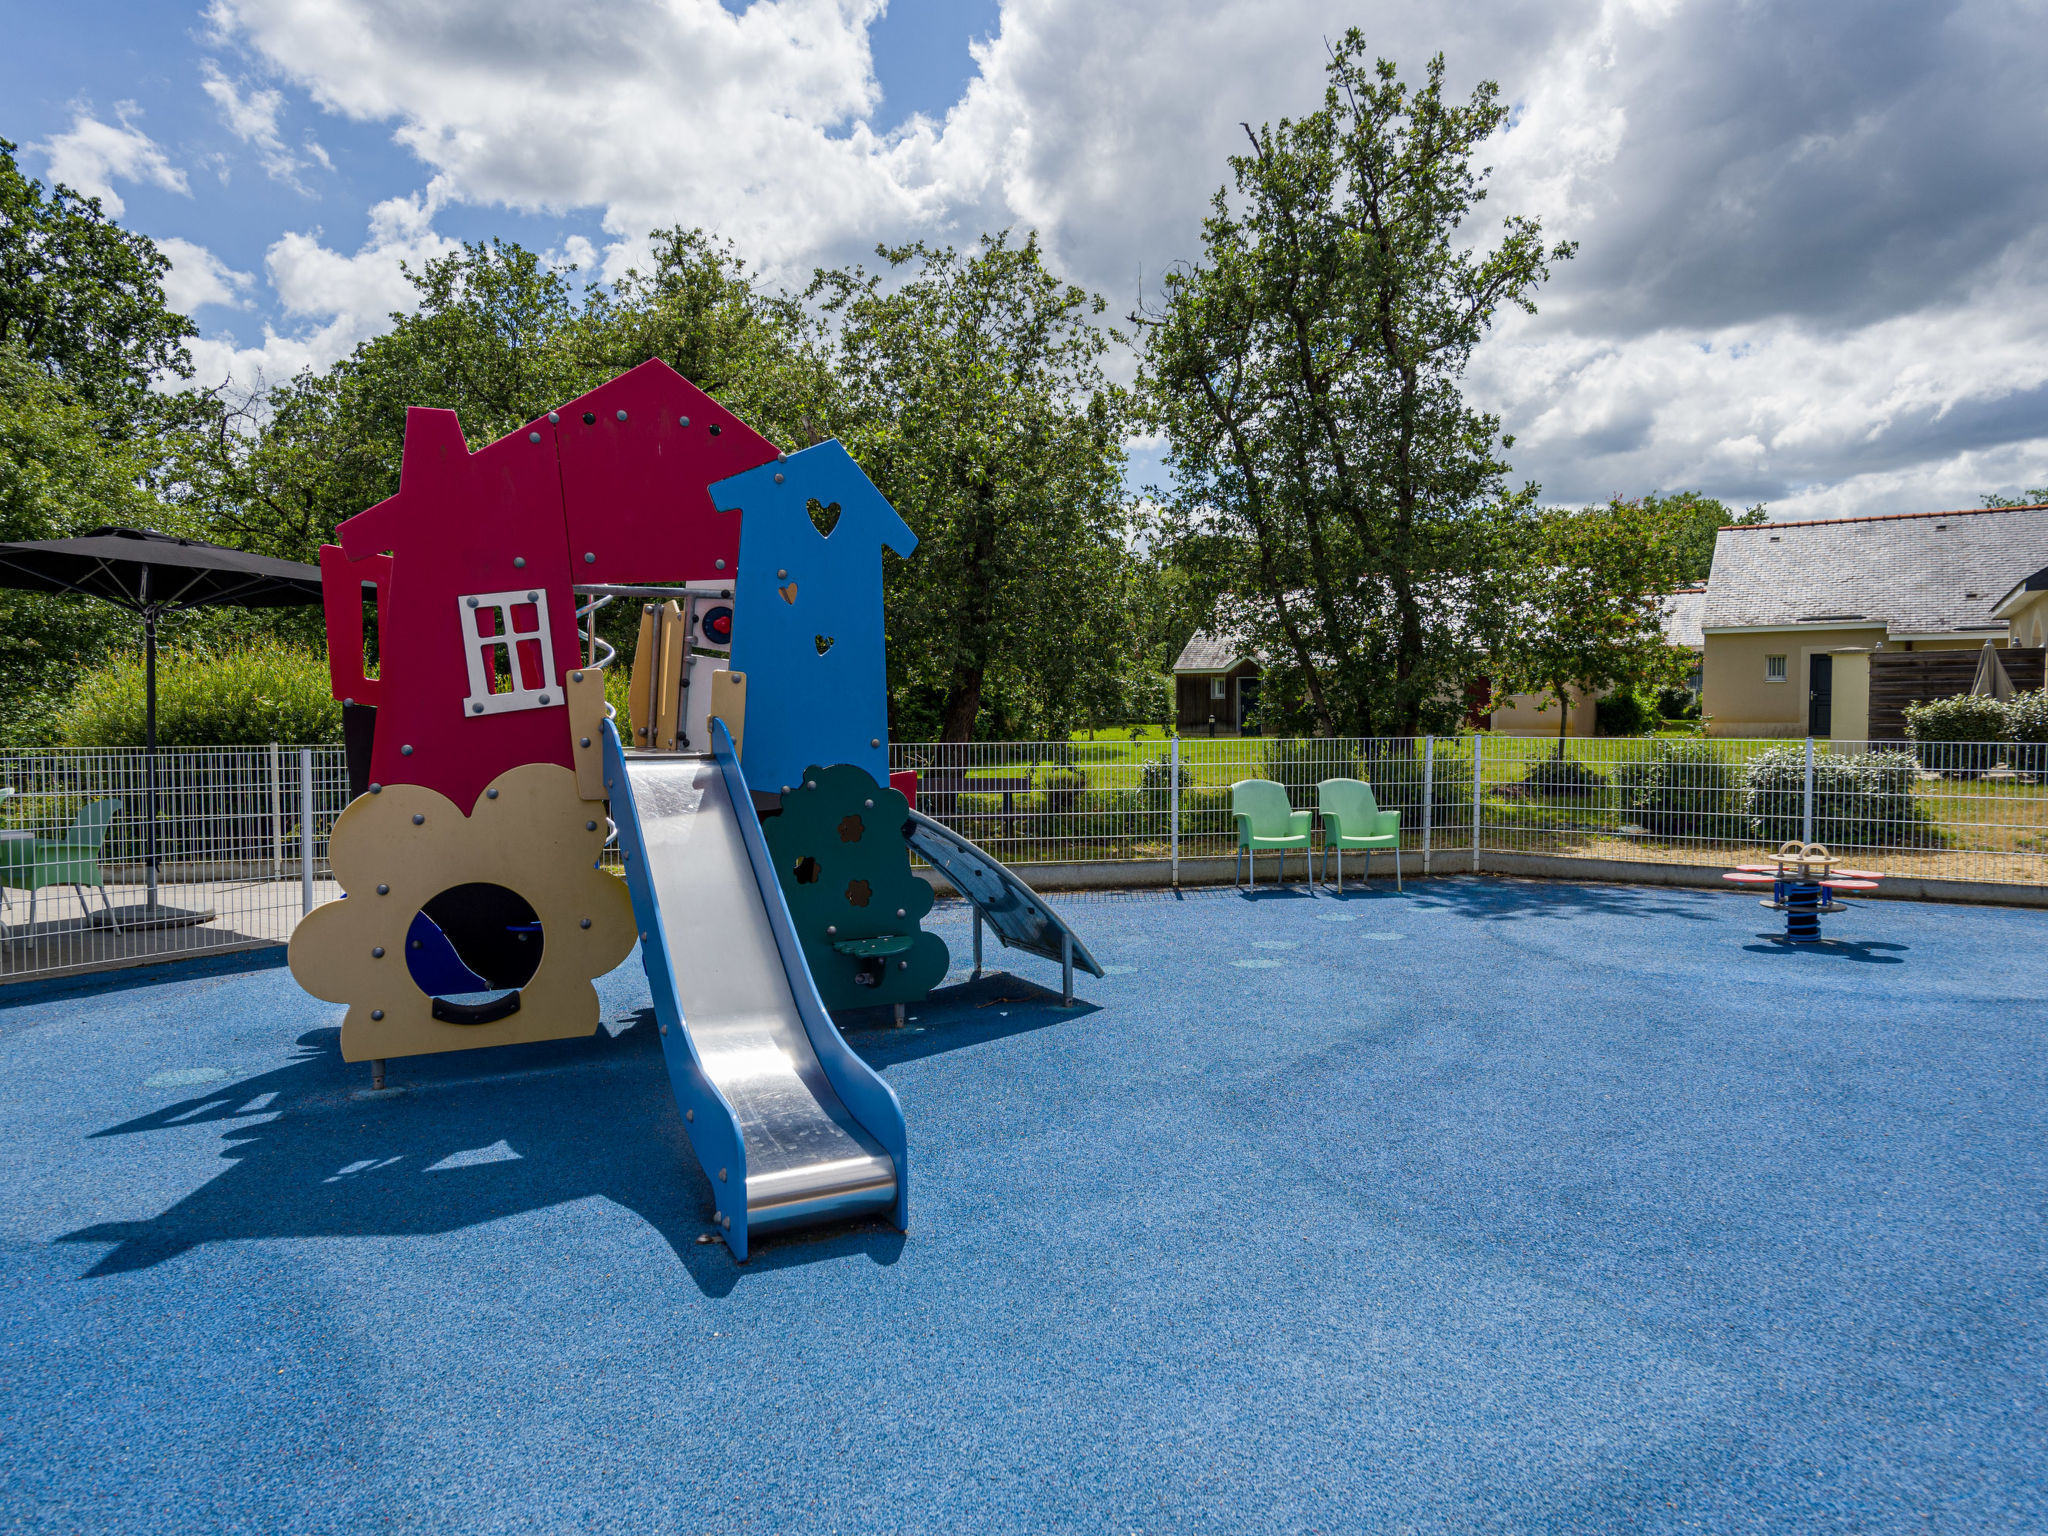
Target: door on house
1820,696
1247,704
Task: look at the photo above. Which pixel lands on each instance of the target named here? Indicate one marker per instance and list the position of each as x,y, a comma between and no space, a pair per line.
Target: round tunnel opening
473,940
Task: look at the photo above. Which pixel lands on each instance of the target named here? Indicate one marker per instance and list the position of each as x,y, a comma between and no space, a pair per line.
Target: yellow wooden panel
531,832
586,730
640,685
668,695
729,703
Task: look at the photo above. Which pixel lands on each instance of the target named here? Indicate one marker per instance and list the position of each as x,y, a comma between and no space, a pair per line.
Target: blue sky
1813,263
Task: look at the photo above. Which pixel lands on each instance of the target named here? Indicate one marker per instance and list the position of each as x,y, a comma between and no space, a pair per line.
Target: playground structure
1803,878
766,848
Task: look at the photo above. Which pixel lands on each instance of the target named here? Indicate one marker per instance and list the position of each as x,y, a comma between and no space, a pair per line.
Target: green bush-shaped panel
840,854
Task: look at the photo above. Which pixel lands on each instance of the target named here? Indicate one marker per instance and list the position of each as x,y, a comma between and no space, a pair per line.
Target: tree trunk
1564,718
963,705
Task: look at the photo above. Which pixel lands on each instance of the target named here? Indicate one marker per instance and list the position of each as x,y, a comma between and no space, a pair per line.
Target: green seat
30,864
1352,819
1266,821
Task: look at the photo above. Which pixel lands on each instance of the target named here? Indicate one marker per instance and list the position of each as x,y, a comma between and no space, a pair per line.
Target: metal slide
1018,914
791,1127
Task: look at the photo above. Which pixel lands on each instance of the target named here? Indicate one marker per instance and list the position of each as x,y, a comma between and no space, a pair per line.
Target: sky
1813,238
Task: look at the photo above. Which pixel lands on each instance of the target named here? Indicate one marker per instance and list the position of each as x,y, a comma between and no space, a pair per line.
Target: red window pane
486,621
525,618
531,673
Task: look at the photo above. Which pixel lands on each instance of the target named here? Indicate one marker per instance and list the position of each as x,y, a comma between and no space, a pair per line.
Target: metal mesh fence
1943,810
241,833
240,852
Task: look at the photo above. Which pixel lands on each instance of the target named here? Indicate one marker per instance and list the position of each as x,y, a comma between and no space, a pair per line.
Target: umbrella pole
149,737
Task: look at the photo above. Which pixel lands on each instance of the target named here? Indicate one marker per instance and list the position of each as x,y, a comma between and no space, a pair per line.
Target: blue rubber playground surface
1494,1207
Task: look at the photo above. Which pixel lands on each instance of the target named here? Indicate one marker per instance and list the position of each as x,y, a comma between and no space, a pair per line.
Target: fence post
1428,794
305,830
1478,777
1173,806
276,816
1806,815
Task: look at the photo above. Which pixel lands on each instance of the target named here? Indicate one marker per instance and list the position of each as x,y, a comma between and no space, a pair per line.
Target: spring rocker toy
1803,879
766,847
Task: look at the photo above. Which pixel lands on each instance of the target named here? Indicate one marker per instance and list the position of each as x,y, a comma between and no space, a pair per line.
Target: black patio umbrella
153,574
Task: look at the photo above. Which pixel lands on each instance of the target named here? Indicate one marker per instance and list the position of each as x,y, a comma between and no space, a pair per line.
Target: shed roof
1209,653
1918,573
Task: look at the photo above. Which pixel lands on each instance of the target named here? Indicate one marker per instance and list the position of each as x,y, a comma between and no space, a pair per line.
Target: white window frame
478,651
1777,669
1219,688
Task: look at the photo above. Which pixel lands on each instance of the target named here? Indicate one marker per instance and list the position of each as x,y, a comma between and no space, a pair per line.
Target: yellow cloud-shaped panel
396,850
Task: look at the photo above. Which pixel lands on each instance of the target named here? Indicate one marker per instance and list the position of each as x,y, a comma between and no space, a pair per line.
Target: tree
82,298
972,393
1593,613
2033,498
84,332
761,353
1690,522
1306,374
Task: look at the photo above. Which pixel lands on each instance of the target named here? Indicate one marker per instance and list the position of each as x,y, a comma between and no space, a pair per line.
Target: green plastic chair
1266,821
1353,820
74,859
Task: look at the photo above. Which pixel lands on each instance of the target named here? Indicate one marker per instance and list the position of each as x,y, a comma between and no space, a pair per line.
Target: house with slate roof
1802,622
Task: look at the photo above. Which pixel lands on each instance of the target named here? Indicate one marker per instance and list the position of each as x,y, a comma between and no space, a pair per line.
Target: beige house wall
1733,691
1523,714
2027,624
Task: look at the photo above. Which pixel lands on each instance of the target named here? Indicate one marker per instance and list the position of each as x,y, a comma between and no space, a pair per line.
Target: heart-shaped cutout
788,593
824,643
824,516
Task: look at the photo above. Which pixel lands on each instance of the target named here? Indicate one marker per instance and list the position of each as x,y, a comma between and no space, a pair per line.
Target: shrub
1157,777
2026,716
1298,764
1063,790
618,690
1966,717
1862,799
1678,704
1395,775
260,691
1624,714
1564,778
1685,789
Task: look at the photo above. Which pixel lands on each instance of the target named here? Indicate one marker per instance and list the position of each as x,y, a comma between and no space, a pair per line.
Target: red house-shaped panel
637,455
477,624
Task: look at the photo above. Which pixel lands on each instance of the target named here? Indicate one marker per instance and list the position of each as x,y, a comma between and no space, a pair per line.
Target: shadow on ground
1870,952
453,1142
994,1006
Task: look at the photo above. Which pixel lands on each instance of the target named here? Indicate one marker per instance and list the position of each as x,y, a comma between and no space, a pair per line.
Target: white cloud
92,155
252,118
1801,277
198,277
342,301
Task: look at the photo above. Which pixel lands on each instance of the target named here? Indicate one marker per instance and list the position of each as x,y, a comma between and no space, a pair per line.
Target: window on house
1774,669
1219,688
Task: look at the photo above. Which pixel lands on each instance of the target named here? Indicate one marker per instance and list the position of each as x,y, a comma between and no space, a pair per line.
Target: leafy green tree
2034,498
971,391
1690,522
84,441
1592,616
760,352
1307,374
82,298
64,469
